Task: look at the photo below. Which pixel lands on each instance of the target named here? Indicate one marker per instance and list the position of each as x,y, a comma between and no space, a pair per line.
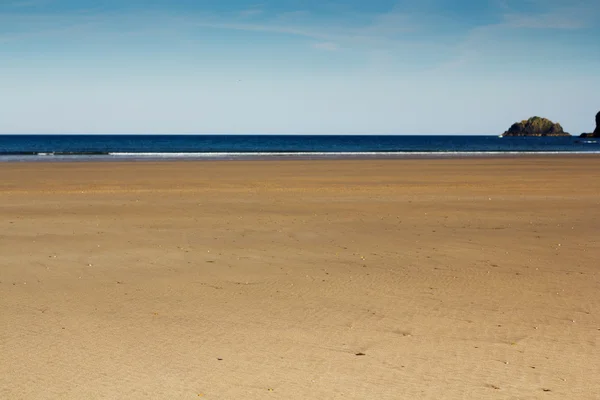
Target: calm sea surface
134,147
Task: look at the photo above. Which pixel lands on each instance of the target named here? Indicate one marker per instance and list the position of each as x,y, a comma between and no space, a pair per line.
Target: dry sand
457,279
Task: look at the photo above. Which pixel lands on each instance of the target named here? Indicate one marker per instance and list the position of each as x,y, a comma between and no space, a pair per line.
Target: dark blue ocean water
119,147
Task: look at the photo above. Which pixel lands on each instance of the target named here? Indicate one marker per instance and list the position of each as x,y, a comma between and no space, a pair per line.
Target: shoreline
284,156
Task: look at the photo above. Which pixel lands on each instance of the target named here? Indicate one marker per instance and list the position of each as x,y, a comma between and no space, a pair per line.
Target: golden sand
388,279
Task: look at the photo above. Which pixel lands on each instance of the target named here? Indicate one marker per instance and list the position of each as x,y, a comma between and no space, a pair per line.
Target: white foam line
349,153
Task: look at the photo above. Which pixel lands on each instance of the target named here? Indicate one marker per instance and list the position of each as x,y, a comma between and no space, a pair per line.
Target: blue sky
297,66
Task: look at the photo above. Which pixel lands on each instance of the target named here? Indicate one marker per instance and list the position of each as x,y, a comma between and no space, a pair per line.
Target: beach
463,278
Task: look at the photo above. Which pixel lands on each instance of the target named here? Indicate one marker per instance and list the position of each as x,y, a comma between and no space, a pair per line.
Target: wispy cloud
369,29
511,37
26,3
391,35
553,14
571,18
251,12
328,46
546,21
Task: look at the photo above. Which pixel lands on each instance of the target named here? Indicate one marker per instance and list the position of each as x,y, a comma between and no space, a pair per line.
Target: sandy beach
334,279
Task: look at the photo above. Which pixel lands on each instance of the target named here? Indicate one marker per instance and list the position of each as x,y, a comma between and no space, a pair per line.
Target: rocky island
536,126
596,133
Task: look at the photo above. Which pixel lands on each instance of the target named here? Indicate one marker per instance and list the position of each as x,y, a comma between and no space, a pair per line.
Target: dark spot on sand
360,354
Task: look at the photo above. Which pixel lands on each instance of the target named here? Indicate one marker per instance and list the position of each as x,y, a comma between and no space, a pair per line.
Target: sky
297,66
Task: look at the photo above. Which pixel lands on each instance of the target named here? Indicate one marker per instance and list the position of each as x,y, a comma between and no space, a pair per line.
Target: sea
19,148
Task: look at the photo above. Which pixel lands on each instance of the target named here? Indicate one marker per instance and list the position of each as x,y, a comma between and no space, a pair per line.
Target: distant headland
536,126
596,133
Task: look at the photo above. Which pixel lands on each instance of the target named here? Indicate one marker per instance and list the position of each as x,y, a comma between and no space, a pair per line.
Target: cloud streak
369,29
389,35
328,46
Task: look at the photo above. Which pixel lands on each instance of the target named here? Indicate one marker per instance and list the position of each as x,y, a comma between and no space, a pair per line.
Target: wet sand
364,279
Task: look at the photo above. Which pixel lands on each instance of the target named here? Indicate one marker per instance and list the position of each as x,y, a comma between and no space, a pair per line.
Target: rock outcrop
536,126
596,133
